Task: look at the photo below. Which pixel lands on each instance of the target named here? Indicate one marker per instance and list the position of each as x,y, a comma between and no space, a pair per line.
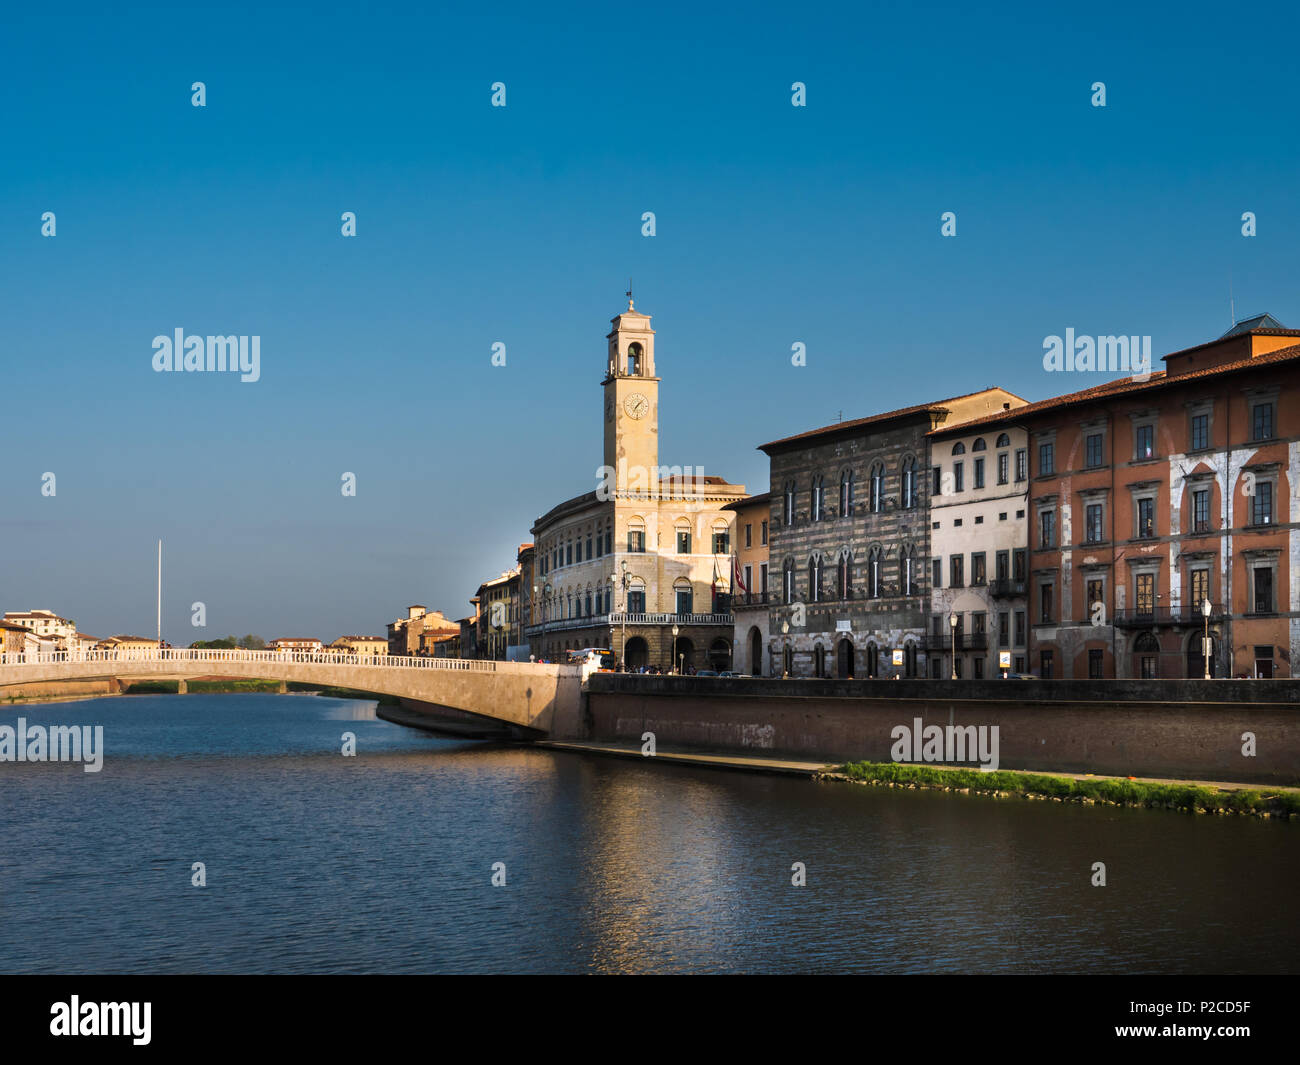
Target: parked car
706,673
1021,676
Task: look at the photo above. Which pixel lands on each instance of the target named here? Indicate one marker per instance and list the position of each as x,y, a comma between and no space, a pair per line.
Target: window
1261,503
1094,595
959,448
1094,450
877,487
683,541
846,492
1200,588
1046,665
956,577
589,550
721,543
1093,523
636,601
844,576
1146,518
1261,421
909,482
1200,432
936,573
815,499
1002,565
1046,529
634,360
1201,510
978,572
787,581
978,665
1003,466
788,516
1144,586
1262,587
935,486
568,553
873,573
763,535
1045,602
957,477
749,535
1046,459
979,473
1020,628
636,541
1004,629
1144,446
1095,664
1020,558
909,571
815,579
1147,649
1022,464
685,601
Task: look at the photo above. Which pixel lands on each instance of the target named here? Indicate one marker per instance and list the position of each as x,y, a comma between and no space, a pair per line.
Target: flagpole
159,596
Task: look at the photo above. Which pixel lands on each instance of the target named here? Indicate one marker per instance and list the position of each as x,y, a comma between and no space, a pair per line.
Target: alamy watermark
58,743
951,743
1103,354
193,354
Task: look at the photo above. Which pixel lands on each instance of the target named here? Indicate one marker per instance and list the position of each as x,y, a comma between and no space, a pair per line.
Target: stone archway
755,651
1196,659
683,654
636,654
844,659
720,654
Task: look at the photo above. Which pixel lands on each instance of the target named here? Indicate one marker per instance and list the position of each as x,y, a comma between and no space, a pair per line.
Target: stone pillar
182,687
284,687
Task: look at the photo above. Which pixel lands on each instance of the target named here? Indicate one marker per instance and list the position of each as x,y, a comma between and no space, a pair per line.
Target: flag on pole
737,578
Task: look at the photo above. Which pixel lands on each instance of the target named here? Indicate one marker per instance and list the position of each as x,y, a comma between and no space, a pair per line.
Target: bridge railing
182,655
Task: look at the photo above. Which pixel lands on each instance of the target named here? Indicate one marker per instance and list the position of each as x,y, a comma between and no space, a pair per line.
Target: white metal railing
671,619
182,655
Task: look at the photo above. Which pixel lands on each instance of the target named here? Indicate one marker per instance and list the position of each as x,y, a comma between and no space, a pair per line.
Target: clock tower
631,402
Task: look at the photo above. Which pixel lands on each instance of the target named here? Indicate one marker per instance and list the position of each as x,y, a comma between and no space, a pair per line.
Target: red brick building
1148,498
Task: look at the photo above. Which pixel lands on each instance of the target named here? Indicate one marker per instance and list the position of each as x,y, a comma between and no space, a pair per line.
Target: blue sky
521,225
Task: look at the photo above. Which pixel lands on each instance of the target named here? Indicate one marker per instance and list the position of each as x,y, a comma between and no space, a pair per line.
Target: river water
383,862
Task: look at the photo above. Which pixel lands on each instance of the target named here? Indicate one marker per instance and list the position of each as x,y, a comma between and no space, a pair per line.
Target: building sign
898,656
1004,660
843,626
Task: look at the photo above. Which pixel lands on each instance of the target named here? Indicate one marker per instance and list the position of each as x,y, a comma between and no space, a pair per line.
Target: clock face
636,405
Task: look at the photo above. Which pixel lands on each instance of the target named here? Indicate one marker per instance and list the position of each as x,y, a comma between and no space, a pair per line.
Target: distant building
749,598
127,643
499,631
45,623
16,639
294,643
407,636
368,646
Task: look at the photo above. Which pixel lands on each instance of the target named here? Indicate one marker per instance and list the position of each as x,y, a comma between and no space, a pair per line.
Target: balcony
752,599
1004,588
1184,617
670,619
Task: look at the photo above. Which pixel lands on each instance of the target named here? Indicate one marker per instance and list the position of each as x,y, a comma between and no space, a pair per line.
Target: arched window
634,360
874,565
909,659
959,448
979,445
1004,440
909,482
815,498
846,492
815,579
908,564
844,575
787,581
788,516
873,660
877,487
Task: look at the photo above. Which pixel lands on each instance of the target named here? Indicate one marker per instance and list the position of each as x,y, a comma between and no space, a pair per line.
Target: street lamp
676,630
952,624
1206,608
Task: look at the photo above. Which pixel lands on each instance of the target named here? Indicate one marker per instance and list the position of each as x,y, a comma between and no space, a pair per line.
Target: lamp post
1206,608
676,630
952,624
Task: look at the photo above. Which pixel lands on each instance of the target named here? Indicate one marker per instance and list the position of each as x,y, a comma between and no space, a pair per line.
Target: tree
253,643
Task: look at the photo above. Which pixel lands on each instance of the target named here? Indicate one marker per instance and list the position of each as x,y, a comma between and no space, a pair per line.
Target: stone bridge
541,698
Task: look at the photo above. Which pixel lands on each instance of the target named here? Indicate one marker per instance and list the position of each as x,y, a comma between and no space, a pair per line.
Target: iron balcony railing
1007,588
1140,618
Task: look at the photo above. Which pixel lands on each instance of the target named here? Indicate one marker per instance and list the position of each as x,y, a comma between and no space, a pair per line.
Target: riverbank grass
1190,798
